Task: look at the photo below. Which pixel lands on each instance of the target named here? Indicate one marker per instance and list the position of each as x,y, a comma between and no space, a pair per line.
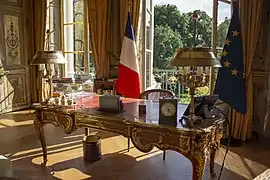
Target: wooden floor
19,142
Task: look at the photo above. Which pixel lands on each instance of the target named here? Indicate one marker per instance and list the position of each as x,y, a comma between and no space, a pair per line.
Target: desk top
88,104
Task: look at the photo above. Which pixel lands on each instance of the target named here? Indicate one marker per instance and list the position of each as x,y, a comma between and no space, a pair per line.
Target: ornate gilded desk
143,130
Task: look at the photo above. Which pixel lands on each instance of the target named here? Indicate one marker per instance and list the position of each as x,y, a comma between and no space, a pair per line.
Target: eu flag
230,84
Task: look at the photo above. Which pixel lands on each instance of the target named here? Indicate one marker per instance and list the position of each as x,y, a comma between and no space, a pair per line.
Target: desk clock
168,111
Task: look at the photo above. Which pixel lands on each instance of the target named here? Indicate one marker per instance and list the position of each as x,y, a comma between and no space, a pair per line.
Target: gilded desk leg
39,128
43,145
198,165
212,161
213,150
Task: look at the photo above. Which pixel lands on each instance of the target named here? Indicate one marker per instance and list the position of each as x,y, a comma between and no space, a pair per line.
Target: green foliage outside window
170,24
200,91
165,43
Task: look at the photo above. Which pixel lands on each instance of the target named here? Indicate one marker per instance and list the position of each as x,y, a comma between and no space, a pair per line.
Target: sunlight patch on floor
73,136
12,123
38,151
59,155
149,155
70,174
241,165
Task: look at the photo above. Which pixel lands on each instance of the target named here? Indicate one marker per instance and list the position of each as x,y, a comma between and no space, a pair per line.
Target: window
149,42
146,38
223,16
174,28
223,19
76,43
176,31
52,41
53,25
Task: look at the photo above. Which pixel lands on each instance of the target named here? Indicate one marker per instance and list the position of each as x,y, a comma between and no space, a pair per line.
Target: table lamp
194,65
47,58
194,68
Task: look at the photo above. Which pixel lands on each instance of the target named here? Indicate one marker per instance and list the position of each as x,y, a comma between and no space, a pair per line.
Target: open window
175,29
53,32
222,12
76,38
146,43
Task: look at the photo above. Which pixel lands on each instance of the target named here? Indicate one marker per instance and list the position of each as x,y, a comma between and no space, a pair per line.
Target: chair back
155,94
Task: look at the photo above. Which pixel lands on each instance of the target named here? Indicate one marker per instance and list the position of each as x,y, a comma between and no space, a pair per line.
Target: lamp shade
48,57
195,57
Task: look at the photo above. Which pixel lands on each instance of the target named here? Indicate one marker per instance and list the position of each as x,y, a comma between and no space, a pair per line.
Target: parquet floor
19,142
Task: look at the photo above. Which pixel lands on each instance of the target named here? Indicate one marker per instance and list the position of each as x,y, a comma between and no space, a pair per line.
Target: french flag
128,82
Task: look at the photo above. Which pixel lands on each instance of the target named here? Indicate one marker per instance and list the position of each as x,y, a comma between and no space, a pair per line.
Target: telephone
204,107
110,103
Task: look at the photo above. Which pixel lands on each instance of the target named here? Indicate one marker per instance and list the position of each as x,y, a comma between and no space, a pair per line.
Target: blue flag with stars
231,84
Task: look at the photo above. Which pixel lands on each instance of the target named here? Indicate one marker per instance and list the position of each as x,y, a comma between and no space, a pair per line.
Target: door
14,72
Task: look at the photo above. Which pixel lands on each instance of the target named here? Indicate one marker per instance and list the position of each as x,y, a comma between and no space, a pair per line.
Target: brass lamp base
192,80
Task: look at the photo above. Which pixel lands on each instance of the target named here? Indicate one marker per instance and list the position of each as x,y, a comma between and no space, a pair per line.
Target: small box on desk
110,103
142,108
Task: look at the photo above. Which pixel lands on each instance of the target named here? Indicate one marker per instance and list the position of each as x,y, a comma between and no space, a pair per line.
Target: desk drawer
97,122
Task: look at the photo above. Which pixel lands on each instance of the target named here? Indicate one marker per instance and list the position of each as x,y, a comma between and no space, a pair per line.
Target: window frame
53,24
214,38
86,51
142,40
146,63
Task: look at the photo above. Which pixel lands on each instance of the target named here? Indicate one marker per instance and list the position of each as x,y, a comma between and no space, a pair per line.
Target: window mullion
62,45
214,43
86,39
143,55
152,43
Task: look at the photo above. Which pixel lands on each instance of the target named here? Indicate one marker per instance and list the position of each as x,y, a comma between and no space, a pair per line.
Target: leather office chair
154,95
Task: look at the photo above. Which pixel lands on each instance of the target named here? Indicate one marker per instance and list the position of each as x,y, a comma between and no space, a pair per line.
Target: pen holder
142,109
